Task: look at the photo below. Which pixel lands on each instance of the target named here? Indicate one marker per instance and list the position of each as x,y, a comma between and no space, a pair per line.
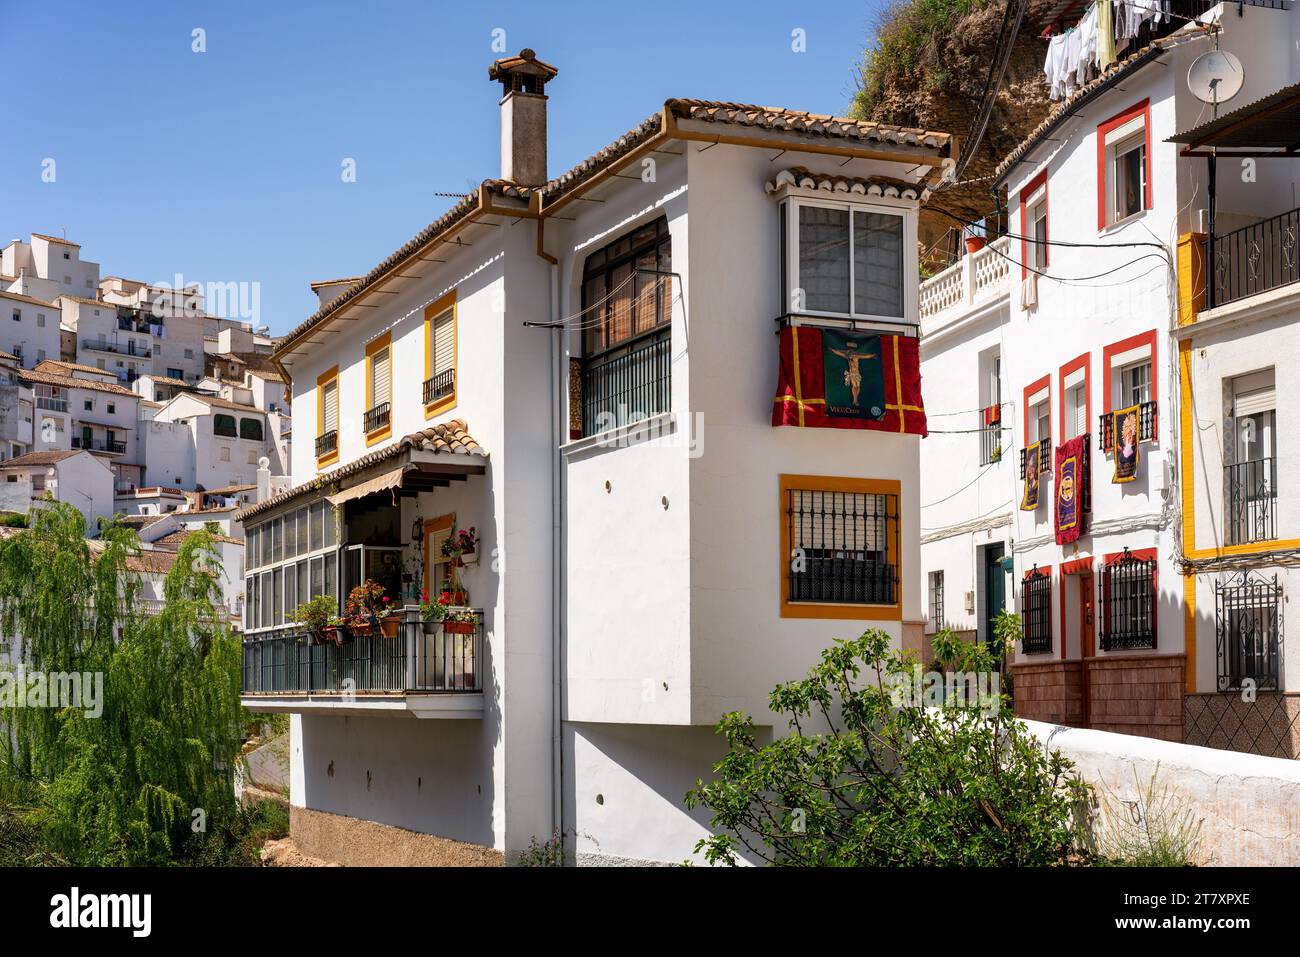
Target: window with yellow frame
327,417
440,355
436,565
378,417
840,548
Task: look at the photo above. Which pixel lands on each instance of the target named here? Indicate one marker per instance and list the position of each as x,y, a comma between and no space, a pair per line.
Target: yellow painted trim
321,381
1253,548
1189,632
437,308
1191,276
378,435
831,610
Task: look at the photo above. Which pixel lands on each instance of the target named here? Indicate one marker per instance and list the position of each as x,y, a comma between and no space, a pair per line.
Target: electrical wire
1001,57
979,475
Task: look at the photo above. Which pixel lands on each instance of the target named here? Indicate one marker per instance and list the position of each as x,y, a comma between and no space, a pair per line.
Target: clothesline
1078,54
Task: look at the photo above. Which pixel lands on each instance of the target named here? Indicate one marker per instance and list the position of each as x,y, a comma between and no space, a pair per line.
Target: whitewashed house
75,477
1070,327
633,582
31,328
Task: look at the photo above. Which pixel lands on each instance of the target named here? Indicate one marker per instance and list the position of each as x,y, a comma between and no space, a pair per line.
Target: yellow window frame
384,431
434,310
323,380
843,611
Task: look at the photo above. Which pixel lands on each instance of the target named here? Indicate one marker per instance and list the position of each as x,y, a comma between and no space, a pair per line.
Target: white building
221,443
629,592
1065,325
47,267
31,328
17,403
75,477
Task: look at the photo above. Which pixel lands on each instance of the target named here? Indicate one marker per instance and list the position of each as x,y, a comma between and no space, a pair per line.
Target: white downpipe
559,381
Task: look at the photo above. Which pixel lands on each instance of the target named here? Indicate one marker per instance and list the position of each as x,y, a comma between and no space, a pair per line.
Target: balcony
439,386
103,345
378,417
326,443
1251,508
51,404
1256,258
1044,457
1146,427
631,381
439,674
99,445
979,278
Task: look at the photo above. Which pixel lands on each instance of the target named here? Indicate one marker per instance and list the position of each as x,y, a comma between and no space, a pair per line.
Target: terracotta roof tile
55,239
21,298
176,539
67,381
151,562
445,438
832,183
38,459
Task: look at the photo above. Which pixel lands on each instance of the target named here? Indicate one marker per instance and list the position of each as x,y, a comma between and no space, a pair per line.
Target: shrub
870,775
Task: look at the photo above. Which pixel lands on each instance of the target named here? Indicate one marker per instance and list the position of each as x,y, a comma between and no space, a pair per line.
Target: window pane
1130,195
277,597
330,569
824,258
250,602
317,525
290,536
327,512
277,540
877,264
330,406
303,534
317,577
223,425
304,582
250,429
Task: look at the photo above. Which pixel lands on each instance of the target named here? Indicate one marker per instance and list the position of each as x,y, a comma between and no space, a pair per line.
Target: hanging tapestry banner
1072,491
1033,454
838,379
1127,454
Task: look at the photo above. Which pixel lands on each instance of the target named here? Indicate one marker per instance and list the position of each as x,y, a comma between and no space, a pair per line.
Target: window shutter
330,406
444,343
379,378
1252,403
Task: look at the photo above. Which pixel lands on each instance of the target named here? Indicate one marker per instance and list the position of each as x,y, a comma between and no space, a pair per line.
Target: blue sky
225,165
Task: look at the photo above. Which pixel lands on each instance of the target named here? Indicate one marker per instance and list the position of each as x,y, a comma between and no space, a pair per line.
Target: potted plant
316,616
433,612
388,617
361,613
455,593
464,542
460,622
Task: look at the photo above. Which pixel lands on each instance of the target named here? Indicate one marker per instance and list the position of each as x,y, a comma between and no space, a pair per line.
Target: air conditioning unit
970,602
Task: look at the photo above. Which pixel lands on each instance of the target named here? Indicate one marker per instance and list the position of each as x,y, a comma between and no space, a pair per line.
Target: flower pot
459,627
361,631
460,597
388,626
331,634
430,626
975,243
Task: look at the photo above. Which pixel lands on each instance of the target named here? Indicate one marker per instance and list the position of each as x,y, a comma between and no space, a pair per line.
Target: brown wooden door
1087,641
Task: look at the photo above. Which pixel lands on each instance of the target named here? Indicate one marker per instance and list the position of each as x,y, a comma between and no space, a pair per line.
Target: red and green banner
1072,492
838,379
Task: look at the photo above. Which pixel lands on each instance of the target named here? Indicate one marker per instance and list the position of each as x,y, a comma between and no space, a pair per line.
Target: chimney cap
525,64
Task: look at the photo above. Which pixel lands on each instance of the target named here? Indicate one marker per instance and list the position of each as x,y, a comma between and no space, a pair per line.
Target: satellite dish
1215,77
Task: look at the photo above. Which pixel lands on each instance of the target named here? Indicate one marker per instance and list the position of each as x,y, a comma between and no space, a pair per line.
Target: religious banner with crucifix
839,379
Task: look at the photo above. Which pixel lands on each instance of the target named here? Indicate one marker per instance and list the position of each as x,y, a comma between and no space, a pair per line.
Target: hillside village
596,459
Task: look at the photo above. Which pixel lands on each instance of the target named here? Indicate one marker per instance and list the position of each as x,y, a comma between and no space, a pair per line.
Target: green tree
153,771
870,775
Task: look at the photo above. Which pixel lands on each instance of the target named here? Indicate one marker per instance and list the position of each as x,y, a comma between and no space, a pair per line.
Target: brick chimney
523,79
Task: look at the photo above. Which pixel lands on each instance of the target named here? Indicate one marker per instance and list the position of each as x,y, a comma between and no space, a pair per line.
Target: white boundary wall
1248,805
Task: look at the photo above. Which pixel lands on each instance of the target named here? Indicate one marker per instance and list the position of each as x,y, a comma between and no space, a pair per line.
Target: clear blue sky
225,165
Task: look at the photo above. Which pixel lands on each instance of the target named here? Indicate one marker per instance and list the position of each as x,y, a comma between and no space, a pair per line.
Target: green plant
870,775
317,613
367,602
13,520
1155,828
549,853
435,610
119,782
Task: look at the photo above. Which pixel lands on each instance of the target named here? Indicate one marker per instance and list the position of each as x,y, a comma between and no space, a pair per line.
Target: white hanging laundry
1088,46
1029,291
1054,66
1073,59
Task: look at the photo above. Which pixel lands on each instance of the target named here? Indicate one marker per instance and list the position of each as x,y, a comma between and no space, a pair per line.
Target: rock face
940,86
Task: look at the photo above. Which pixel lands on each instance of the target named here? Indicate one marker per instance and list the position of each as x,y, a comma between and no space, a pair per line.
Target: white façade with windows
628,592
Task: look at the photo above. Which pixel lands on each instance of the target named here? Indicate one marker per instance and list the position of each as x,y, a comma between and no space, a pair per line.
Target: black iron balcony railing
1251,492
629,382
1256,258
327,442
377,417
1044,457
99,445
1146,427
413,662
439,386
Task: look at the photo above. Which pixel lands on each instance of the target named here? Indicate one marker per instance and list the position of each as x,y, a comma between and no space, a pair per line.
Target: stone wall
1268,725
1137,694
1049,691
356,843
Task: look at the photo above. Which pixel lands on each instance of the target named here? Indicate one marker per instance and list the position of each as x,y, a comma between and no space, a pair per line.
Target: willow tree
148,767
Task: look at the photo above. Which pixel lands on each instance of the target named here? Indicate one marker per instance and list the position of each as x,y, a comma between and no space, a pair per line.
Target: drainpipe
559,380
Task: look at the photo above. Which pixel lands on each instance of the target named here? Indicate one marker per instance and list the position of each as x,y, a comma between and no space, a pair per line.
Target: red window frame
1147,339
1044,383
1025,192
1119,119
1079,362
